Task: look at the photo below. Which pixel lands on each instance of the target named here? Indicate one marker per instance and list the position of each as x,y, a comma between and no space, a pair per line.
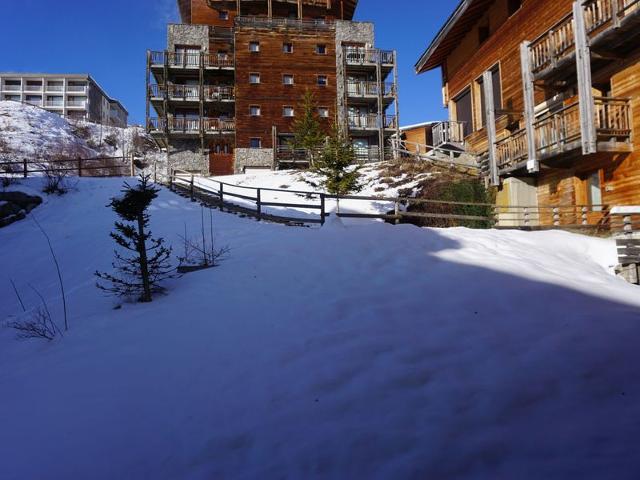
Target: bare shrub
38,325
82,131
201,252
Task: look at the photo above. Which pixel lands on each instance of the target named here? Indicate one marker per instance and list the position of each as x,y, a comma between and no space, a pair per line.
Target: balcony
190,61
448,133
372,122
185,126
8,87
369,90
368,56
558,133
610,24
286,23
191,93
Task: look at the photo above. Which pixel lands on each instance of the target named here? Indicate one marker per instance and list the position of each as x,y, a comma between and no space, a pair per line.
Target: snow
353,350
625,209
30,131
373,182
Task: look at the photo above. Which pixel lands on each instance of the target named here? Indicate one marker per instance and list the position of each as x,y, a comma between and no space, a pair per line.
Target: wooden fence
311,208
81,167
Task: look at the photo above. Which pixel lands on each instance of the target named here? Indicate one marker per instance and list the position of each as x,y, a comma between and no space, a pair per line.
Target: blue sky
109,41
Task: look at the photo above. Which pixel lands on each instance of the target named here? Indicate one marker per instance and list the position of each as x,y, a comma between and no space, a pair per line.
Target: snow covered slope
357,351
27,131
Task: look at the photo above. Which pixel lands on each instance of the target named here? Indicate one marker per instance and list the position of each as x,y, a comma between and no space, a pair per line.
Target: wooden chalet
547,94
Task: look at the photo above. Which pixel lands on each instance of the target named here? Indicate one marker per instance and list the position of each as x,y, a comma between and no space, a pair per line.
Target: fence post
133,167
396,212
79,166
526,216
323,212
171,179
556,216
585,220
259,204
628,226
24,162
191,190
221,191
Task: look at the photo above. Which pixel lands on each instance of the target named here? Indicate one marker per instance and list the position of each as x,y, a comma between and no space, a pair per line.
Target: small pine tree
337,164
308,133
139,275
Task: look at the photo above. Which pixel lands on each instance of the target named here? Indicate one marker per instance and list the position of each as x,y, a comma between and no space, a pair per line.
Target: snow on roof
417,125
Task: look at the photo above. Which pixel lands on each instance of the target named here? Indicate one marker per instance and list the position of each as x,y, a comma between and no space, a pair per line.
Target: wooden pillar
341,9
270,8
148,81
585,92
529,107
300,9
238,7
396,97
381,111
490,122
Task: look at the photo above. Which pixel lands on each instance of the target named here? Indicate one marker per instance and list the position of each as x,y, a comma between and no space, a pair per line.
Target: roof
452,32
45,75
417,125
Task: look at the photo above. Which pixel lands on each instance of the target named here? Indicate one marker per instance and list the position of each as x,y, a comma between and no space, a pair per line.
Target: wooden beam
300,9
529,107
585,92
269,8
238,7
341,9
490,122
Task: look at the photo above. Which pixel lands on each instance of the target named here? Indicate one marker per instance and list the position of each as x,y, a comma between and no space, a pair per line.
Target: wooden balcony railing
187,125
368,89
559,41
448,133
188,60
368,56
559,132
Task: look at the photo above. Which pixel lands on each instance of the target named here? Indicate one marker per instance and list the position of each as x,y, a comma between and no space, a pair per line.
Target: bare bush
38,325
201,252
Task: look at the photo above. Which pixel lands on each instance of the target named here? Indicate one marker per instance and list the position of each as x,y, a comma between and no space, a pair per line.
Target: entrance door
221,160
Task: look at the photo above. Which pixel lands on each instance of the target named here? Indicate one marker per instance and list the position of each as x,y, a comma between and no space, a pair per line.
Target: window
33,99
594,191
323,112
255,143
287,79
497,94
323,80
254,110
14,85
187,55
288,111
463,110
254,78
34,85
287,47
223,15
55,85
254,47
514,6
57,101
321,49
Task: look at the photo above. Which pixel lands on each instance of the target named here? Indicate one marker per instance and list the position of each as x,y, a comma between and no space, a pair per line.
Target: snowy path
360,352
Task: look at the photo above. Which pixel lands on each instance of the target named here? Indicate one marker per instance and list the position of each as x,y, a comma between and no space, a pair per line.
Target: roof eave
423,64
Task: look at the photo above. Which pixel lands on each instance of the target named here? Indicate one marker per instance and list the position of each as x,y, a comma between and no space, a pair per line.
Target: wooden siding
271,94
420,135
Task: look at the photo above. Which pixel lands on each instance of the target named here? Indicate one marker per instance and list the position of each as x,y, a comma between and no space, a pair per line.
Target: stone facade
179,34
187,155
355,32
253,157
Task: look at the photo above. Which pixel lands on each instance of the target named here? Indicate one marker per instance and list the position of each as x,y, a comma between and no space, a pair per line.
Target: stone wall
358,32
253,157
187,155
181,34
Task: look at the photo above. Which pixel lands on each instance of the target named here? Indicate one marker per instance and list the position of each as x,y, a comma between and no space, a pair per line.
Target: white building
71,95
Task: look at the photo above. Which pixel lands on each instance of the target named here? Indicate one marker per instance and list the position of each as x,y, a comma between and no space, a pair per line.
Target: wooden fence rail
82,167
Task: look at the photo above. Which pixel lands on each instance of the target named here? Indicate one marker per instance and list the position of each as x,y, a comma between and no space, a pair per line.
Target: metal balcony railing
372,121
368,89
191,60
212,93
290,23
368,56
191,125
448,133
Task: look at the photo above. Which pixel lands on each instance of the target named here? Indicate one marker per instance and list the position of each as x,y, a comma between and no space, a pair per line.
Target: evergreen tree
308,133
337,164
140,274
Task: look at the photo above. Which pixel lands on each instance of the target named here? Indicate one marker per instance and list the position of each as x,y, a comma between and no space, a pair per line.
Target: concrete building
224,95
76,96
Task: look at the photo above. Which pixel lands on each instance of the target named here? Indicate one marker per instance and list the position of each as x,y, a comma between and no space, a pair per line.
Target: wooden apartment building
223,96
547,93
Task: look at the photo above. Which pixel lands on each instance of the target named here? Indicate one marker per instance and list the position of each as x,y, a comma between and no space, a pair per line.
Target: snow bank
356,351
30,131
